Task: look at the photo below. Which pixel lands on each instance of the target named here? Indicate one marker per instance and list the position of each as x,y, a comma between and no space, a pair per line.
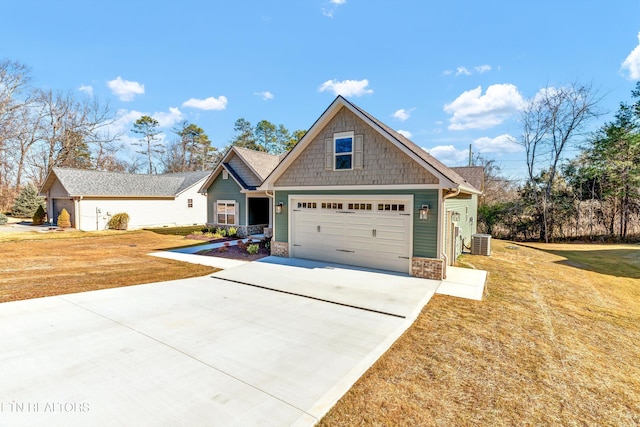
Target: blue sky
448,73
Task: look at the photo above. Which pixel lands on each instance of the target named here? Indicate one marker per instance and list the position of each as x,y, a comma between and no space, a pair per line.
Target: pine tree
27,202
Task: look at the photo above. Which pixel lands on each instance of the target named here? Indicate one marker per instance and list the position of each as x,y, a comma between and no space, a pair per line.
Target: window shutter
328,154
358,152
236,218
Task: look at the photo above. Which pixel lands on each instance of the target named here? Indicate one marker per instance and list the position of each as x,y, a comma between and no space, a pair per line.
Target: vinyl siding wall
425,233
144,212
225,189
467,206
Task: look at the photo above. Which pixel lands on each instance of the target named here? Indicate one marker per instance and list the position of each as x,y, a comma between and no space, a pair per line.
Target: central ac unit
481,244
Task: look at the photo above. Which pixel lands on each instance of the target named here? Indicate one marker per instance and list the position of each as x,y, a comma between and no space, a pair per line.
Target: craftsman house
352,191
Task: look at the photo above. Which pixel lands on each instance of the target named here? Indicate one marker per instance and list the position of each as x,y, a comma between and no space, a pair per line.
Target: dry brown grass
43,264
554,342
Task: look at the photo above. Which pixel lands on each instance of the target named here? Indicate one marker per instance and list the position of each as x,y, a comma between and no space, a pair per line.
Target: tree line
44,128
594,195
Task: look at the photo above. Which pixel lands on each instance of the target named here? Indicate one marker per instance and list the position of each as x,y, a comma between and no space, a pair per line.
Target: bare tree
552,121
14,88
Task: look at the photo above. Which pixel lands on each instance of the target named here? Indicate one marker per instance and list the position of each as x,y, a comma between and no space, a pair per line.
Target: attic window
189,203
225,174
343,150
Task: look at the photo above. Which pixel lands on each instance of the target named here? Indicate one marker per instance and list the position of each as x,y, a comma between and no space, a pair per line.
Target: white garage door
372,233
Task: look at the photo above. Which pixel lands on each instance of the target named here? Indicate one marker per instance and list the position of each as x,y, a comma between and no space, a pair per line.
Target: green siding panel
425,240
225,189
467,206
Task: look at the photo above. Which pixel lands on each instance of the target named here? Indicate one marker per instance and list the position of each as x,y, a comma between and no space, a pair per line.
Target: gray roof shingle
80,182
261,162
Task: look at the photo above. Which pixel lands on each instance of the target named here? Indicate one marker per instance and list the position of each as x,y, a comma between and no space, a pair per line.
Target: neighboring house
92,197
354,191
231,189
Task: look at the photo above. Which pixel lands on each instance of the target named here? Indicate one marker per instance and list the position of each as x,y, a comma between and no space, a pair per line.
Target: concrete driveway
261,344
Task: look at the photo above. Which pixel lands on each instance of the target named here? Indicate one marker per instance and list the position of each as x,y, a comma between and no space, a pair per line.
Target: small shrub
221,231
232,232
38,217
197,233
253,248
3,219
119,221
267,246
64,219
224,248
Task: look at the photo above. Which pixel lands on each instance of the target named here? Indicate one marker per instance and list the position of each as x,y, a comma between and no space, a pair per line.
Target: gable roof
81,182
258,162
473,174
421,156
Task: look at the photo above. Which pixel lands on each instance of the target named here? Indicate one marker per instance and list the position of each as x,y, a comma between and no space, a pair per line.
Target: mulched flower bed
209,239
236,252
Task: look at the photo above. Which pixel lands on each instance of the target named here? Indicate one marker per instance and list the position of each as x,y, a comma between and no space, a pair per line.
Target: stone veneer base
280,249
428,268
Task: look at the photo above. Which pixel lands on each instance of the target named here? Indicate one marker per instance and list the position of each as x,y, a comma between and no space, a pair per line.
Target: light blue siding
225,189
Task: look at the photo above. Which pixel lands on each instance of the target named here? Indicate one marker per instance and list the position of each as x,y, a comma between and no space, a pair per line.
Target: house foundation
280,249
428,268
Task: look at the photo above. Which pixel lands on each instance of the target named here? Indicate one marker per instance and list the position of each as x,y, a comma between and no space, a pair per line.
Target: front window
343,150
226,212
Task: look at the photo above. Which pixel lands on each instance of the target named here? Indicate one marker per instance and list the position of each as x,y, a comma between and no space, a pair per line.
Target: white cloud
402,114
462,70
126,118
211,103
405,133
331,8
500,144
88,89
473,110
266,95
125,90
449,155
632,63
483,68
170,118
346,87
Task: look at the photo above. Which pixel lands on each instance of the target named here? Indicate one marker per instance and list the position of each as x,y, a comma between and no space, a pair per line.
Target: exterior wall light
279,207
455,216
424,212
